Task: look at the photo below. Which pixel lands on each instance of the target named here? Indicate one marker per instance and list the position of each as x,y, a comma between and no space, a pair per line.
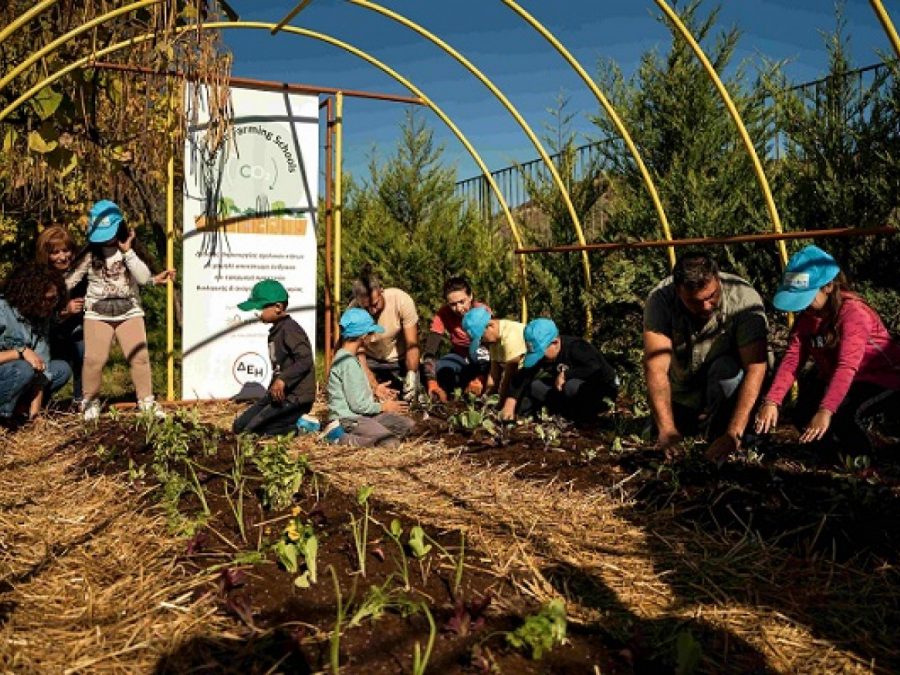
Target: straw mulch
619,568
88,577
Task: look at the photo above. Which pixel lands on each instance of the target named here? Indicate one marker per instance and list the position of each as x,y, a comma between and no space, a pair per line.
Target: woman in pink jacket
857,363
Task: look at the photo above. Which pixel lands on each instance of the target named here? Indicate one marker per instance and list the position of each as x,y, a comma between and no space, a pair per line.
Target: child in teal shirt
355,417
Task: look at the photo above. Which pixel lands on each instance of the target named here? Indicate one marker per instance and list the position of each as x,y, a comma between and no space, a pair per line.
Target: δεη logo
250,367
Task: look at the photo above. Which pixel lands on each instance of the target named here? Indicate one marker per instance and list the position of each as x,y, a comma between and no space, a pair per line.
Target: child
565,374
31,294
55,250
462,368
293,387
355,417
857,362
506,345
112,306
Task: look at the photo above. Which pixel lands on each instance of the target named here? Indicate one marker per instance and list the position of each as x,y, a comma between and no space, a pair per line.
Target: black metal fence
513,180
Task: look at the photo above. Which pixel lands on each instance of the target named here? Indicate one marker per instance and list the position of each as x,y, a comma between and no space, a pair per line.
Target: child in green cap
293,387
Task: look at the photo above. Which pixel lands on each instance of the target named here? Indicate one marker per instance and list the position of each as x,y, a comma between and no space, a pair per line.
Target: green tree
690,146
842,161
407,222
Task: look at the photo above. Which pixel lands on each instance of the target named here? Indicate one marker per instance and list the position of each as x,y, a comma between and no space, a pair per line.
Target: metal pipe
887,24
329,205
170,258
736,116
724,241
72,34
338,197
551,167
610,111
269,85
24,18
329,40
290,15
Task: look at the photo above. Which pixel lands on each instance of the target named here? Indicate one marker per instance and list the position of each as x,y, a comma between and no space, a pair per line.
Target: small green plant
687,653
420,660
417,542
395,532
360,528
379,600
298,540
542,631
282,476
479,415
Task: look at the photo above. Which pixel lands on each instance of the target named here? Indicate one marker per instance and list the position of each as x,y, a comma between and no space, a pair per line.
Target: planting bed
449,597
807,500
175,547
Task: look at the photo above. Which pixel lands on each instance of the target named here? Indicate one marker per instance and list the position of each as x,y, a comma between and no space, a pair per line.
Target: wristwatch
21,351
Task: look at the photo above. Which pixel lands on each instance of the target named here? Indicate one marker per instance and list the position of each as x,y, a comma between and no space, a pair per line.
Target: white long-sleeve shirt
120,276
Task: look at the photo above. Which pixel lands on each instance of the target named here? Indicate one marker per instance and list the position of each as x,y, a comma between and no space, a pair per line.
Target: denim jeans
16,377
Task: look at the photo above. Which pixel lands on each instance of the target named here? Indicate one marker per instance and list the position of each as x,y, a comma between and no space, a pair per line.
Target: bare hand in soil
667,439
817,426
766,418
723,446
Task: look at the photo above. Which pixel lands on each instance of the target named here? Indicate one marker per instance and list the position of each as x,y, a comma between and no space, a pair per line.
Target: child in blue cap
355,417
293,387
566,375
857,362
112,305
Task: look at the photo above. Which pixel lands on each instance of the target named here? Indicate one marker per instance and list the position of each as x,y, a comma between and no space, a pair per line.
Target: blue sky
515,57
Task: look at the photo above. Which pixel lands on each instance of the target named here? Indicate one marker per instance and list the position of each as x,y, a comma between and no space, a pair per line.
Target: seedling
378,601
360,528
395,532
417,542
420,661
542,631
298,540
468,617
282,476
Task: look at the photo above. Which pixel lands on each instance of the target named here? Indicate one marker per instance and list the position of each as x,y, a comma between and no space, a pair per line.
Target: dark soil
805,498
286,628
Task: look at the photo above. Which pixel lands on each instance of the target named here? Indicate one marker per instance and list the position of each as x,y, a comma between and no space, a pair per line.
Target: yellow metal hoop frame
887,25
736,116
337,43
611,112
564,192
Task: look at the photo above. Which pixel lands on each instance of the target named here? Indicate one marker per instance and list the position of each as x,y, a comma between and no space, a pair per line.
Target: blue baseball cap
356,322
807,271
539,333
104,220
474,322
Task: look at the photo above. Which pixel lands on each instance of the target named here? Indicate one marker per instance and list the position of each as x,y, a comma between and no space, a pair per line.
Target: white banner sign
249,214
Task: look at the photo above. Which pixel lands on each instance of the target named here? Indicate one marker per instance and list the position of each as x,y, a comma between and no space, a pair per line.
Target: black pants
270,418
579,400
849,422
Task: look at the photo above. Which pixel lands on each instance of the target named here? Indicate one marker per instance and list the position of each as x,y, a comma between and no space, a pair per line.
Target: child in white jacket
112,305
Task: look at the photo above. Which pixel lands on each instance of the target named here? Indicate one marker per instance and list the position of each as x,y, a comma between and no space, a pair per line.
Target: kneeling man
705,354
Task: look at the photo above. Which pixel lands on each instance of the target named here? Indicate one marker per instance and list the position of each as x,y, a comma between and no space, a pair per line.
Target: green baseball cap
266,292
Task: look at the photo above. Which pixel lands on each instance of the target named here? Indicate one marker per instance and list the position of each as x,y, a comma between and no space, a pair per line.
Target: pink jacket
451,322
864,352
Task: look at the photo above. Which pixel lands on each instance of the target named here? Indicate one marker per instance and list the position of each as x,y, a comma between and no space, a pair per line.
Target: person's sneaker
150,406
333,432
90,410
